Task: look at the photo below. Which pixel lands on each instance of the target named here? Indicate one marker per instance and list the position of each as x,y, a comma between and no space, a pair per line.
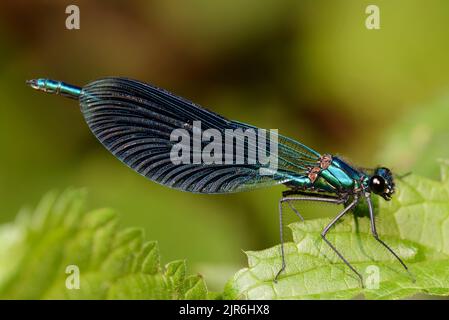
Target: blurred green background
309,68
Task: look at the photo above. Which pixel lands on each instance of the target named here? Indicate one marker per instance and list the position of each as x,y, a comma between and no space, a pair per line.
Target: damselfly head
381,183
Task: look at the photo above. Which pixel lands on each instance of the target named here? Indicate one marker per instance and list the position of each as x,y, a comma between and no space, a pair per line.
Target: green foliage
415,224
38,247
418,138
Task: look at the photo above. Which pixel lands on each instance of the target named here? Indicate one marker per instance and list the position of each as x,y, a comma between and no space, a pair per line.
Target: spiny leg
376,236
281,225
294,210
326,230
282,241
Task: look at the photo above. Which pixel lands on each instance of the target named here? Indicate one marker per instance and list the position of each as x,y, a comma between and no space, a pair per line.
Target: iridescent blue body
134,121
102,112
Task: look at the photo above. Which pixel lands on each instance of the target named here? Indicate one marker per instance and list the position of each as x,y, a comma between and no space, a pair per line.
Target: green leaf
42,251
415,224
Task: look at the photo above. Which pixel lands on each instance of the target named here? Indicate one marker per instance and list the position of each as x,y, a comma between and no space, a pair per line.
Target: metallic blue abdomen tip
55,87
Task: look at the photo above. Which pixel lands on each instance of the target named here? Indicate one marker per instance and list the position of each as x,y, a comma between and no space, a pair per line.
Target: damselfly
135,121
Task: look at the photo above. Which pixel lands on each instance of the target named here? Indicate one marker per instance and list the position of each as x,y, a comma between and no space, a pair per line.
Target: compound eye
377,184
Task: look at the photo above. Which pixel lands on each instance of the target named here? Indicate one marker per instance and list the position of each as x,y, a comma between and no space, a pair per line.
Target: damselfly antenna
402,176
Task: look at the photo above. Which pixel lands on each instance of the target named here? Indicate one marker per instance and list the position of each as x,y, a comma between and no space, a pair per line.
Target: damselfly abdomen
160,136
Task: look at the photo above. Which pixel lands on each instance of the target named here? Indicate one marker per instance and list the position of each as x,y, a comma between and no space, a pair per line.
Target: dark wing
134,121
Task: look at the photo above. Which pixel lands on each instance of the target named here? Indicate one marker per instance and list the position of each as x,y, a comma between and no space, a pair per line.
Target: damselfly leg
330,225
281,225
376,236
289,202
